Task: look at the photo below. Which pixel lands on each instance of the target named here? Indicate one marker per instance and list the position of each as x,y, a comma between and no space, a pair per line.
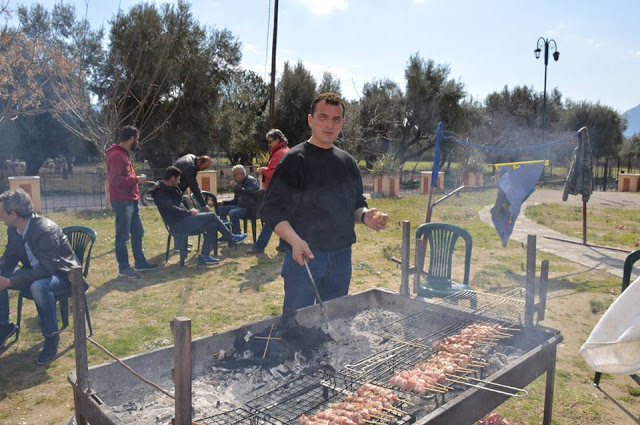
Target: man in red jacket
278,145
123,192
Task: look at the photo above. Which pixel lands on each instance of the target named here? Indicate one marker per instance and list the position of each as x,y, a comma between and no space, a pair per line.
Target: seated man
244,202
168,199
46,256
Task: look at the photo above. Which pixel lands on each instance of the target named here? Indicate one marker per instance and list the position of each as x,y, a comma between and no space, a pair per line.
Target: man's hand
4,283
206,208
260,170
193,211
375,219
233,183
299,250
142,178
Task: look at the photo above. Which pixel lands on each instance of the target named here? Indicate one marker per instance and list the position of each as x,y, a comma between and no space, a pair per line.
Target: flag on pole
436,157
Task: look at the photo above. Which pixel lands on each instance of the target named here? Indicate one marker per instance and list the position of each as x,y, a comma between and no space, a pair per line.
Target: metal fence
76,191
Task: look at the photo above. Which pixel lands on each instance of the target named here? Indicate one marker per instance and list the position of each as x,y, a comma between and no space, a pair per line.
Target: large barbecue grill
501,367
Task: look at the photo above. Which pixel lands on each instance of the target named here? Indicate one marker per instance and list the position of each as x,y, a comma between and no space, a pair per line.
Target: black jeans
210,223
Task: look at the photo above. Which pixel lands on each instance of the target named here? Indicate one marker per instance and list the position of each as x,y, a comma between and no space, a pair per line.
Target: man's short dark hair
330,98
18,201
127,132
171,171
276,134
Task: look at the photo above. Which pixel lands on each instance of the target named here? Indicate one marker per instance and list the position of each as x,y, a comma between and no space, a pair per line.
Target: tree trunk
33,166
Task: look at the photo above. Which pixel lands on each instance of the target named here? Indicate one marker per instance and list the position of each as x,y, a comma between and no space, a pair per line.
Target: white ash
222,389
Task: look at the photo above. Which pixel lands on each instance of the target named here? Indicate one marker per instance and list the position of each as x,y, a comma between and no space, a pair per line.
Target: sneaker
207,260
49,351
178,250
237,239
129,273
254,251
6,332
146,267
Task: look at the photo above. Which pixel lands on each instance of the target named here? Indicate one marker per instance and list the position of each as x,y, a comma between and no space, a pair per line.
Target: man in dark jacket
168,198
123,192
244,201
46,256
189,165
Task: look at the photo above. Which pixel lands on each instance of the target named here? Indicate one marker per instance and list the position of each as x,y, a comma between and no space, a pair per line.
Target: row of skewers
455,354
368,404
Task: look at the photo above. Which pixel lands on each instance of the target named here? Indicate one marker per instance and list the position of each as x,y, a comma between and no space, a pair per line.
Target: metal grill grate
237,416
311,394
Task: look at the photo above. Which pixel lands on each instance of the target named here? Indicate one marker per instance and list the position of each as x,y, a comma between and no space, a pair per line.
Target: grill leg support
181,329
548,393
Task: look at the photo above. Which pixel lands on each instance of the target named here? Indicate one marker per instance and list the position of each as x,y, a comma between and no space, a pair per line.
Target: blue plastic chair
442,239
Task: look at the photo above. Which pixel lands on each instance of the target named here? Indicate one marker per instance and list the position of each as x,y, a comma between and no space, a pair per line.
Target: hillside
633,116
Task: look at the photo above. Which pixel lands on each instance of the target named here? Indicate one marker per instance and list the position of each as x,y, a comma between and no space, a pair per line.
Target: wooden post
181,329
530,283
542,294
406,257
584,222
79,338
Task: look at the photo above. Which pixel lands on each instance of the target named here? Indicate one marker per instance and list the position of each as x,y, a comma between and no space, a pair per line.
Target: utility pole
272,89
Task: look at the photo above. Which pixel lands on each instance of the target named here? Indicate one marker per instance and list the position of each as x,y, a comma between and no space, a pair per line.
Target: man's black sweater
317,191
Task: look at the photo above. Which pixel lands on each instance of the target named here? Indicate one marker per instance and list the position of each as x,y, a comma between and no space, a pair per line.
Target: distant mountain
633,118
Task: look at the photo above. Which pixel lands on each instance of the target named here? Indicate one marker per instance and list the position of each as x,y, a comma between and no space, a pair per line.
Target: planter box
472,179
208,181
628,182
31,185
388,185
425,181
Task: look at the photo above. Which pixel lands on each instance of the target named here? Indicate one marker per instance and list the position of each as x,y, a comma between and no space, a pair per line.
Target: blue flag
514,187
436,157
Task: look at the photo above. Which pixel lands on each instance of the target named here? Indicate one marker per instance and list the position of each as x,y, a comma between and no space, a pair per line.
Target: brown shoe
254,251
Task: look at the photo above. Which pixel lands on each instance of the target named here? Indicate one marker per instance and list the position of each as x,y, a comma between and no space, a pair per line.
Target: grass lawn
131,316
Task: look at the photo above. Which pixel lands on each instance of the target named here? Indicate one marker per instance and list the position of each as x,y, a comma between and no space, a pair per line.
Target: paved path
596,258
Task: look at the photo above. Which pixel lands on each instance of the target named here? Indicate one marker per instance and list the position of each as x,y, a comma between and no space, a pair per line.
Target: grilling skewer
518,392
332,331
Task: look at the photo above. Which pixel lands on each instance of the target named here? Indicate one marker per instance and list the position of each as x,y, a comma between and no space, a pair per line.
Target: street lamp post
548,44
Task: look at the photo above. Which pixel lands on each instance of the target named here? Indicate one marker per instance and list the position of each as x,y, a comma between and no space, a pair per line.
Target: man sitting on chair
46,256
244,202
168,199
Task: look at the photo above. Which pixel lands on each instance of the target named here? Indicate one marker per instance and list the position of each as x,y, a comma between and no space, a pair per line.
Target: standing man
46,256
168,198
189,165
123,190
278,146
313,202
244,201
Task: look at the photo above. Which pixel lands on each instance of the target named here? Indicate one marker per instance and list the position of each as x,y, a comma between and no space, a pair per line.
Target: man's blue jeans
264,237
207,221
128,222
235,213
331,272
42,291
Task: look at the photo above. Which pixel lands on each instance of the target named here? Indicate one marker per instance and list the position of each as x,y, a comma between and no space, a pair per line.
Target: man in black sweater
189,165
168,198
312,203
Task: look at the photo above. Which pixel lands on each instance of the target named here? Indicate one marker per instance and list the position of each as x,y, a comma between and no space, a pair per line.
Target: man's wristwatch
362,217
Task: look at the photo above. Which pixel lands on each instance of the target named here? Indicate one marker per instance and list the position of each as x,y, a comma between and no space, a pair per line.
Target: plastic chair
182,240
259,195
626,280
442,239
209,198
81,239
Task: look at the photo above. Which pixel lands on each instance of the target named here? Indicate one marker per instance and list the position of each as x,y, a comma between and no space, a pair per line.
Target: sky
487,44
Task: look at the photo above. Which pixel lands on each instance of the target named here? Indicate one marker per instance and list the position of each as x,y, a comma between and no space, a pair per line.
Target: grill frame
539,344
